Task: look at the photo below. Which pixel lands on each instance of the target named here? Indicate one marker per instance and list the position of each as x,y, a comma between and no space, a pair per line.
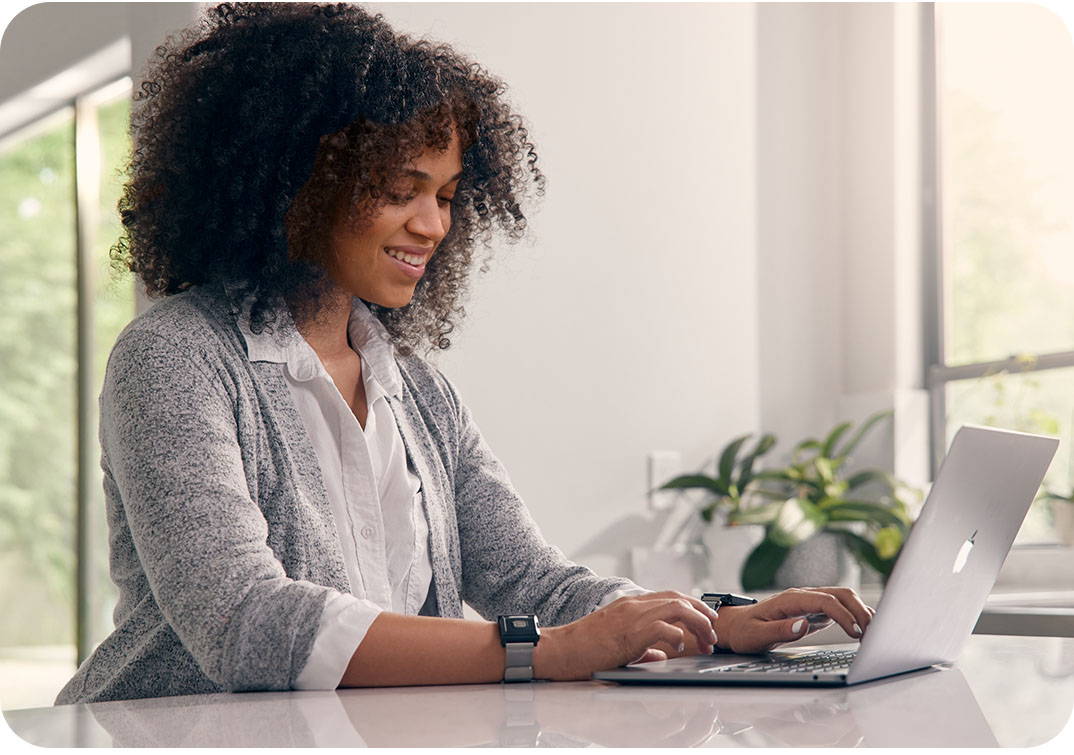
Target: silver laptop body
937,589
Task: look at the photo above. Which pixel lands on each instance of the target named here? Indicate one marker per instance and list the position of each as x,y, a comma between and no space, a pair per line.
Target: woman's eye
445,200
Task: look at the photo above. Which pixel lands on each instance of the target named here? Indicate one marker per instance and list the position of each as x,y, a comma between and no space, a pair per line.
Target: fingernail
713,633
797,626
857,630
682,646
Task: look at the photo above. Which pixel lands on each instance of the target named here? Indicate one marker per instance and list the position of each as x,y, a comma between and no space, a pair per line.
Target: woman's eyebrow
423,176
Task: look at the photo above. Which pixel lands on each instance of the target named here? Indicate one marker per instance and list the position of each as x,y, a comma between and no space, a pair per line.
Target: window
60,180
1005,353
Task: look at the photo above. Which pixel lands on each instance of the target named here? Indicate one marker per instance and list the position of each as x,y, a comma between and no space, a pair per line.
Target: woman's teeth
410,259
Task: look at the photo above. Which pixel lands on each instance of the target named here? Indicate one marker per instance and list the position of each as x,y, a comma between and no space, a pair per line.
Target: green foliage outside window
37,387
38,413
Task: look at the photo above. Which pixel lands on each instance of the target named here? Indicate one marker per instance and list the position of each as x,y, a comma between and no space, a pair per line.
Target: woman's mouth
413,265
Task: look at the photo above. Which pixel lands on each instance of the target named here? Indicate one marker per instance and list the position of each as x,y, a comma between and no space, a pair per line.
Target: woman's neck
327,333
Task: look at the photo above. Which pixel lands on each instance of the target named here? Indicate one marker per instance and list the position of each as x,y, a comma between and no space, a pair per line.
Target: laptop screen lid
947,566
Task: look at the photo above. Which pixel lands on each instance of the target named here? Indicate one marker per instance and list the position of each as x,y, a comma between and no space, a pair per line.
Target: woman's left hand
781,618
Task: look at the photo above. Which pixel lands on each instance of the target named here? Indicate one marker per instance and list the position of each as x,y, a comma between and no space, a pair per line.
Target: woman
296,500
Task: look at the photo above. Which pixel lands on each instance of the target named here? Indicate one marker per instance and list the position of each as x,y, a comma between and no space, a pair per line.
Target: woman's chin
394,300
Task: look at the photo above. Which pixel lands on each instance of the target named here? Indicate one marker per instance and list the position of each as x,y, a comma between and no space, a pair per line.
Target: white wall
839,191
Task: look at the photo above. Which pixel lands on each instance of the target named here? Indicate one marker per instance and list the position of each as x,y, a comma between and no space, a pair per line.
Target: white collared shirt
375,498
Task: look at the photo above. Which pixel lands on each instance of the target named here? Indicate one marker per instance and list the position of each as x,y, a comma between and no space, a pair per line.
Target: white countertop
1011,691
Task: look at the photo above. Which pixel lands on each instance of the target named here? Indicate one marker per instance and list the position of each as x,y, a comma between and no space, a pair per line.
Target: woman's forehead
436,165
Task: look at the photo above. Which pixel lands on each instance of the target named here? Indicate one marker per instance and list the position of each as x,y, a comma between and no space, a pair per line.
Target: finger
651,654
697,603
797,603
817,622
661,631
692,646
851,600
764,635
683,612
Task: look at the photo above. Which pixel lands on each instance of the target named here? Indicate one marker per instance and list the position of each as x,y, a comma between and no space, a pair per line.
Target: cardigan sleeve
170,437
508,567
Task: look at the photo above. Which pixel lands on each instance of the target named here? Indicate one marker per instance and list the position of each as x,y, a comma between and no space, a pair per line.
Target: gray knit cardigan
223,543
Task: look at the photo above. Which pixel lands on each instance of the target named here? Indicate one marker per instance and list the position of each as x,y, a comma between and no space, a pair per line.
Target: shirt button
367,532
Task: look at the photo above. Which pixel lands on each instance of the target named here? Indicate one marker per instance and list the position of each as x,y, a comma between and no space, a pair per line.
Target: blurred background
760,217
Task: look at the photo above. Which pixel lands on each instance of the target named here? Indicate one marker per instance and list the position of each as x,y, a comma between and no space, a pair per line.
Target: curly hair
252,130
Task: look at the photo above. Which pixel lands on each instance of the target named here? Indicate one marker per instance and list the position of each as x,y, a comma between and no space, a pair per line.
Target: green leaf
775,495
863,511
688,481
828,501
764,445
763,514
793,478
888,542
726,466
865,553
834,491
759,569
866,426
824,468
781,475
870,475
833,438
797,520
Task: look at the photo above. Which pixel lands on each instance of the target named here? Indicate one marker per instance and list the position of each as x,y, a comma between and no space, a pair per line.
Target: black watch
519,635
716,600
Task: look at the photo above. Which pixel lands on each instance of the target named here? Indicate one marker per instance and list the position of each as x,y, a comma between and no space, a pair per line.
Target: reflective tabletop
1004,690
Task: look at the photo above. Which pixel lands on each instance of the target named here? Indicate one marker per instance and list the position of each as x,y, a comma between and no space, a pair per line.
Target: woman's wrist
546,655
724,626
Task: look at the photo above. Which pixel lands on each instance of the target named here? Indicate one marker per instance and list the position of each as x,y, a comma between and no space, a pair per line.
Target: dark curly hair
254,129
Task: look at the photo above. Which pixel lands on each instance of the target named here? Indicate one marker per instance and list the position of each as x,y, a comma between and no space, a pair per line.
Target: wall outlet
661,467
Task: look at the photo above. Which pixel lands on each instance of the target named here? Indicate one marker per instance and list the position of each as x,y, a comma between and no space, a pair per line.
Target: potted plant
813,494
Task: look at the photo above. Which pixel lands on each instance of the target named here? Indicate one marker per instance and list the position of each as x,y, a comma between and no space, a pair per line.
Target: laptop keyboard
828,661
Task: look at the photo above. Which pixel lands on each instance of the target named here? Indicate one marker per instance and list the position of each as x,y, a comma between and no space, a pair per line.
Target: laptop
936,591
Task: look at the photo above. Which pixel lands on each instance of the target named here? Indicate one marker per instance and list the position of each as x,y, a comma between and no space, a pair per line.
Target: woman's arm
411,650
169,433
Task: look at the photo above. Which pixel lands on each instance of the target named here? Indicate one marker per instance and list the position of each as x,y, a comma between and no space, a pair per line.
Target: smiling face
383,261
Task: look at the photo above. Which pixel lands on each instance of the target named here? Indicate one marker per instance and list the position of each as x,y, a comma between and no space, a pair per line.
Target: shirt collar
286,346
370,338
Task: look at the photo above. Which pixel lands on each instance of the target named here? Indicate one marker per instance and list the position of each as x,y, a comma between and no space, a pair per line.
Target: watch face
519,629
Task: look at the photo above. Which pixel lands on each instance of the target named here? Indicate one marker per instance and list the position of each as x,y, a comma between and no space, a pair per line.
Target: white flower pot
820,561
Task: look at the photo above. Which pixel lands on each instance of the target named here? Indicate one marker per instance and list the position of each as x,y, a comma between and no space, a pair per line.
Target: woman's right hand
624,631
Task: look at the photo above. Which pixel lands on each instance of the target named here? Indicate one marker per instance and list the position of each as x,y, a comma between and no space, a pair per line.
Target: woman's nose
430,221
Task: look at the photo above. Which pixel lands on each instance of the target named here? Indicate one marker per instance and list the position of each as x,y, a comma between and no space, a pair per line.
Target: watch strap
518,664
519,635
